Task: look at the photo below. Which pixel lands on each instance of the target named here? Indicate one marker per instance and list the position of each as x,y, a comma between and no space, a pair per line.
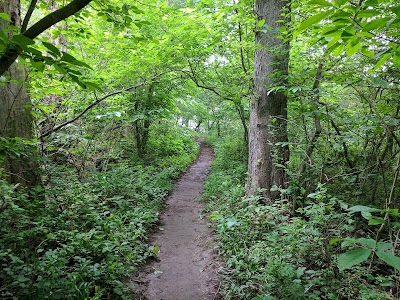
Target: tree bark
268,108
15,113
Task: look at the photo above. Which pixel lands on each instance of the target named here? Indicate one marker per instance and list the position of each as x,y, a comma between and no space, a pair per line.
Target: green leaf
367,52
72,60
320,2
312,20
22,40
371,3
389,258
370,243
380,63
353,257
396,10
368,13
380,82
384,246
340,2
337,52
5,16
53,49
230,222
38,65
361,208
376,221
353,47
335,240
377,23
261,23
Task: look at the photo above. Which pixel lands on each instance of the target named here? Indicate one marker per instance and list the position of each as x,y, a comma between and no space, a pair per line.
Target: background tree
268,148
16,121
21,166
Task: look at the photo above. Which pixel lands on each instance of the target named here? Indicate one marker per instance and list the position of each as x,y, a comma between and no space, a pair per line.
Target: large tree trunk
15,111
268,111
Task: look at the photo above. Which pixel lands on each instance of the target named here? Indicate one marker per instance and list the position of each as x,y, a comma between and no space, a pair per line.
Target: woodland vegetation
100,102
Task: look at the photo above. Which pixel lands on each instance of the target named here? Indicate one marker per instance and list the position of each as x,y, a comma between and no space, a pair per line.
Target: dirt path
186,268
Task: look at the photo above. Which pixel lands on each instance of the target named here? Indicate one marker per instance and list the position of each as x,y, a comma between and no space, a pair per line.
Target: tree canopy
100,102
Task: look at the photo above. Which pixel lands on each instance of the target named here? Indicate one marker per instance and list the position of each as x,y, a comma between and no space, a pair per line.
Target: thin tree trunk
268,110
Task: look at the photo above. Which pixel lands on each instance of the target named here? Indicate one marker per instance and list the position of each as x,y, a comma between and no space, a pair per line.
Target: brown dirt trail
187,266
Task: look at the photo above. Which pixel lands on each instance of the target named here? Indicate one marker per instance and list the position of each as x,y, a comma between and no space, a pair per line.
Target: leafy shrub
89,233
271,254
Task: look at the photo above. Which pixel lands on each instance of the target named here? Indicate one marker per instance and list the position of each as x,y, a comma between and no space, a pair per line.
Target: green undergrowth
270,254
88,233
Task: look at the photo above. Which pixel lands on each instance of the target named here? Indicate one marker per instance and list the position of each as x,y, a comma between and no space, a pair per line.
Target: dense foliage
90,231
118,92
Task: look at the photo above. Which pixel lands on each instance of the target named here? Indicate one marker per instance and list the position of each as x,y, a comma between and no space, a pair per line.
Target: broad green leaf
396,59
332,31
370,243
312,20
93,86
365,33
342,17
371,3
392,211
376,221
72,60
396,10
335,240
333,41
366,215
368,13
380,63
384,246
38,65
22,40
67,57
377,23
340,2
380,82
339,50
35,52
389,258
261,23
320,2
53,49
60,69
367,52
230,222
353,47
5,16
353,257
361,208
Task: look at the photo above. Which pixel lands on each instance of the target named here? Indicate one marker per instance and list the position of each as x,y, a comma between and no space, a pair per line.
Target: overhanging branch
12,52
97,101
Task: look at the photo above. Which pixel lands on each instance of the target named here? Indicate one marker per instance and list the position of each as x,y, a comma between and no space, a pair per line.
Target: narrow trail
186,268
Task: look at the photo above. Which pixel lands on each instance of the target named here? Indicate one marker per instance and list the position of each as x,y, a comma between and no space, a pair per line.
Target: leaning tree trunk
15,111
268,110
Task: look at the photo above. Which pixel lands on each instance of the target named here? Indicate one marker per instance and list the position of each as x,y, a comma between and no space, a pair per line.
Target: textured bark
15,113
268,110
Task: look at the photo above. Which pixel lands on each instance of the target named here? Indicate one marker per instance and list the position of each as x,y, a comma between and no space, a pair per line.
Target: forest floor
186,265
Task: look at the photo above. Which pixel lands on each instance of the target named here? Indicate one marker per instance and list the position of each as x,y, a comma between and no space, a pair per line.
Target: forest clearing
199,149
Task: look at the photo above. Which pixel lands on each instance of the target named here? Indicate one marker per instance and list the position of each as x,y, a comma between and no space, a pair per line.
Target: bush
271,254
89,232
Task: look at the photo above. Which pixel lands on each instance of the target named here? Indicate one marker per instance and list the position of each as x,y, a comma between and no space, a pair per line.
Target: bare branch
28,15
97,101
